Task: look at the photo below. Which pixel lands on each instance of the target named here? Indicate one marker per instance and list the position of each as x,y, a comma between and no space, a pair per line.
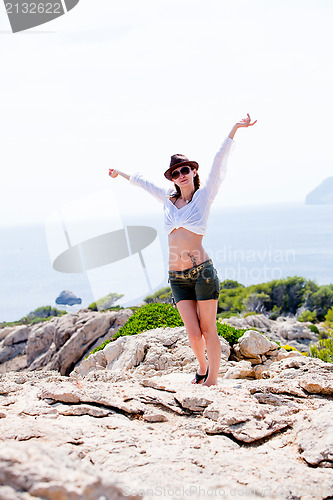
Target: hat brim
168,173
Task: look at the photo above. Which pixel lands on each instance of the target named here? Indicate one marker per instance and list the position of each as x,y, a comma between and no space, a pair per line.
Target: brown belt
190,273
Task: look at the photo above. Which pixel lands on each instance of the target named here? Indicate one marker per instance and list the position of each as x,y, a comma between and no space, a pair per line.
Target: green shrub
329,317
149,317
228,284
229,333
307,316
313,328
250,313
276,312
325,349
106,303
226,314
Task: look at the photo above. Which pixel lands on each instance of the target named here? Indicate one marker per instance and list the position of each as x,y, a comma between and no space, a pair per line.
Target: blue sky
127,84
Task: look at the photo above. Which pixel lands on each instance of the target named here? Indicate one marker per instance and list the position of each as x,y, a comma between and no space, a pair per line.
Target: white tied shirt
194,215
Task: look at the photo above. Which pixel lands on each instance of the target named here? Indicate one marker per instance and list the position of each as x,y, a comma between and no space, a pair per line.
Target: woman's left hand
246,122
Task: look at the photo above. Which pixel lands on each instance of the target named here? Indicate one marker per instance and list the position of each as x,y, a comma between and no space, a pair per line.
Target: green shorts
197,283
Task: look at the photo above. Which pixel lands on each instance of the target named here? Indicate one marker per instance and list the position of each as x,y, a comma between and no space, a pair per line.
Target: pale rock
6,331
40,339
244,418
261,371
20,334
95,361
124,353
193,402
253,343
155,417
282,353
72,351
315,436
292,330
11,351
241,369
317,384
258,321
82,409
43,471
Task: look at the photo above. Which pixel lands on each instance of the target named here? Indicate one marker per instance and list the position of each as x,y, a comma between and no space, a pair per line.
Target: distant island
322,194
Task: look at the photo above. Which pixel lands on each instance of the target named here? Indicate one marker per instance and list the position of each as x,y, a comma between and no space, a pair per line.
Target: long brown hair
178,193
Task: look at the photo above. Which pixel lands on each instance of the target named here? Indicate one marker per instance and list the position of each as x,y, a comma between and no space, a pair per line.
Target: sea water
247,244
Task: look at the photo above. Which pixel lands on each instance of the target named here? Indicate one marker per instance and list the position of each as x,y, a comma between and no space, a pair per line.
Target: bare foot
208,383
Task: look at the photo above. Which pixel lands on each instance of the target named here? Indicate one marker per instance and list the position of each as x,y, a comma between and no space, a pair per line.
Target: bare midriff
185,250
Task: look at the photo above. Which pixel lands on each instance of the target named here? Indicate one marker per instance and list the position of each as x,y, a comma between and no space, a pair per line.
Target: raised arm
219,167
138,180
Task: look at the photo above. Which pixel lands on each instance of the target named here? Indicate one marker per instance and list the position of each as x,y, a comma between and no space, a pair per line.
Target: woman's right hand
113,173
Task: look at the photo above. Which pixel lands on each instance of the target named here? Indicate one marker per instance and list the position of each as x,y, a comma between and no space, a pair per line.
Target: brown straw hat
177,161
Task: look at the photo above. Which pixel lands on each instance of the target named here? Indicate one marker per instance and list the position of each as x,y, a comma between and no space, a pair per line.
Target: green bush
106,303
313,328
276,312
229,333
322,300
329,317
226,314
307,316
149,317
250,313
325,349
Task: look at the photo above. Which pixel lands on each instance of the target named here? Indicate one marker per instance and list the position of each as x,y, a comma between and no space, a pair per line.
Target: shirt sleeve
158,192
219,169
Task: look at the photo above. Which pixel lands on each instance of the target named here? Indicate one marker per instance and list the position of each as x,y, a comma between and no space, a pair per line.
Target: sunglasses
184,171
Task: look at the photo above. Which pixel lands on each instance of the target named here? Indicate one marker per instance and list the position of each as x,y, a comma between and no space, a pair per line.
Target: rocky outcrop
322,194
67,298
284,330
58,344
135,422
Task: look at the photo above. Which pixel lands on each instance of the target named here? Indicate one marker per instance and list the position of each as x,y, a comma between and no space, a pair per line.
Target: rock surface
132,420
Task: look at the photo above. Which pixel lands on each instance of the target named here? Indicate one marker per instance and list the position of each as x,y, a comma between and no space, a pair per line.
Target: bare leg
189,314
207,314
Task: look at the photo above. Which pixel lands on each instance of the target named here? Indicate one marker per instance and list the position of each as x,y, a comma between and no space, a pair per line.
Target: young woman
193,279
